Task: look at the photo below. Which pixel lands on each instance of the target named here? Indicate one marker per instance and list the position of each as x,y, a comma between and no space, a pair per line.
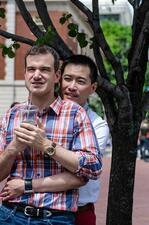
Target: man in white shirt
78,82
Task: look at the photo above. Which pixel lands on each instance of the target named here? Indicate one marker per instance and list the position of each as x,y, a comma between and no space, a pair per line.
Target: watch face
50,151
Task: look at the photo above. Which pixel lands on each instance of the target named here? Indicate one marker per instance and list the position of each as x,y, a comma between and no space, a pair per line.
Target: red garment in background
86,217
147,135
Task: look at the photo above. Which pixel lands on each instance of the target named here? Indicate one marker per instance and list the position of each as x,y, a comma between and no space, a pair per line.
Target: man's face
40,75
76,83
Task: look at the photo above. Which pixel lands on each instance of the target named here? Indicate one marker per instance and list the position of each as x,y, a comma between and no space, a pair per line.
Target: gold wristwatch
50,151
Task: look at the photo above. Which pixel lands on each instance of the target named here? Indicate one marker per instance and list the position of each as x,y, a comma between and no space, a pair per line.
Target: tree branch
82,7
43,14
139,48
95,10
17,38
135,3
109,106
100,39
28,19
99,62
63,49
137,59
109,90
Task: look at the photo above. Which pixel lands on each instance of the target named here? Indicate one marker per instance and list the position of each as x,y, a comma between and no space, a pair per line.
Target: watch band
28,186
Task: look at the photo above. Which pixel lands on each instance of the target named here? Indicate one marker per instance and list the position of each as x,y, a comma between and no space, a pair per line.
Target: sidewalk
141,194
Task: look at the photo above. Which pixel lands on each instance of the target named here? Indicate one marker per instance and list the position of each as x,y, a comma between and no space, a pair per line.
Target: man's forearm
56,183
68,159
60,182
6,161
91,168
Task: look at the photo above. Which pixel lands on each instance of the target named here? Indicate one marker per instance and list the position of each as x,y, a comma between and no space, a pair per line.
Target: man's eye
44,70
67,79
81,82
30,69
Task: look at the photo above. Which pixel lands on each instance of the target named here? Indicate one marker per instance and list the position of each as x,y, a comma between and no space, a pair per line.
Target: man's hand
17,145
31,135
13,189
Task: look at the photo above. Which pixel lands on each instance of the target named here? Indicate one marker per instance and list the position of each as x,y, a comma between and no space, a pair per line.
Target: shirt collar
55,106
86,107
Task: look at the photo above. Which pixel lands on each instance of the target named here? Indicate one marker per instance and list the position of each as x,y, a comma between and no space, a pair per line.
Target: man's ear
58,76
94,87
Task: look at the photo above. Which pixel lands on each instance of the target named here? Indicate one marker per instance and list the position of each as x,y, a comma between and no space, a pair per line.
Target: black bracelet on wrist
28,186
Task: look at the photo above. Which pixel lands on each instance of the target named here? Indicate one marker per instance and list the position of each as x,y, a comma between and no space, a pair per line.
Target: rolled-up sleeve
86,147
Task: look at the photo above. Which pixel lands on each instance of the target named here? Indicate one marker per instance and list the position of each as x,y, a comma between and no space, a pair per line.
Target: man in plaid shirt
39,157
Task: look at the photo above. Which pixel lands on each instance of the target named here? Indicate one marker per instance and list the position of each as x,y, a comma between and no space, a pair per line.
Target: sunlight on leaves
10,50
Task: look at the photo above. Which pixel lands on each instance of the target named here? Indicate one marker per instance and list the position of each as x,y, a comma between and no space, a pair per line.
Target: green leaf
83,44
50,31
11,54
72,26
68,16
81,37
72,33
62,20
5,51
73,29
2,12
11,50
2,45
47,38
65,18
16,45
39,41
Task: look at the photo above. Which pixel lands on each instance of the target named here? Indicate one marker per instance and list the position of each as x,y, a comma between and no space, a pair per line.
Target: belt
32,211
88,206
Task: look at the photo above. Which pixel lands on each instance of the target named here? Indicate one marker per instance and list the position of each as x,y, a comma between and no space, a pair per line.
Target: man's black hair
82,60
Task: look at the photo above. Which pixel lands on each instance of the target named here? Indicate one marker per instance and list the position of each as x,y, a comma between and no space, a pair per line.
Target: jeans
12,217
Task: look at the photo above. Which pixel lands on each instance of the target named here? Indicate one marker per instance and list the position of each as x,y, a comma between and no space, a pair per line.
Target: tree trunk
120,199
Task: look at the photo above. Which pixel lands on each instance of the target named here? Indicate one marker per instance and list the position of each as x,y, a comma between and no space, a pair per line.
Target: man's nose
37,74
73,85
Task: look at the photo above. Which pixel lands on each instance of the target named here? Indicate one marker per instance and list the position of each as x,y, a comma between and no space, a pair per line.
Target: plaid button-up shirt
66,124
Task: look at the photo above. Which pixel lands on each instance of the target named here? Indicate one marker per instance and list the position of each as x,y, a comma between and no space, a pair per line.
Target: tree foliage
74,30
122,99
9,51
118,37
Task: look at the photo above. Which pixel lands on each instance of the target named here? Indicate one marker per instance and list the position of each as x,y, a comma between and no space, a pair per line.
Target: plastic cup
29,114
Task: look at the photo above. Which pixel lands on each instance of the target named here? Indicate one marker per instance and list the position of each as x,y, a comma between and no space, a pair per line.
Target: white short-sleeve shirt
89,193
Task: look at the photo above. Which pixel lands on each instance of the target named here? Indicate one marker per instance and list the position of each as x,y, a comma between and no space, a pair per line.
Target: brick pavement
141,194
